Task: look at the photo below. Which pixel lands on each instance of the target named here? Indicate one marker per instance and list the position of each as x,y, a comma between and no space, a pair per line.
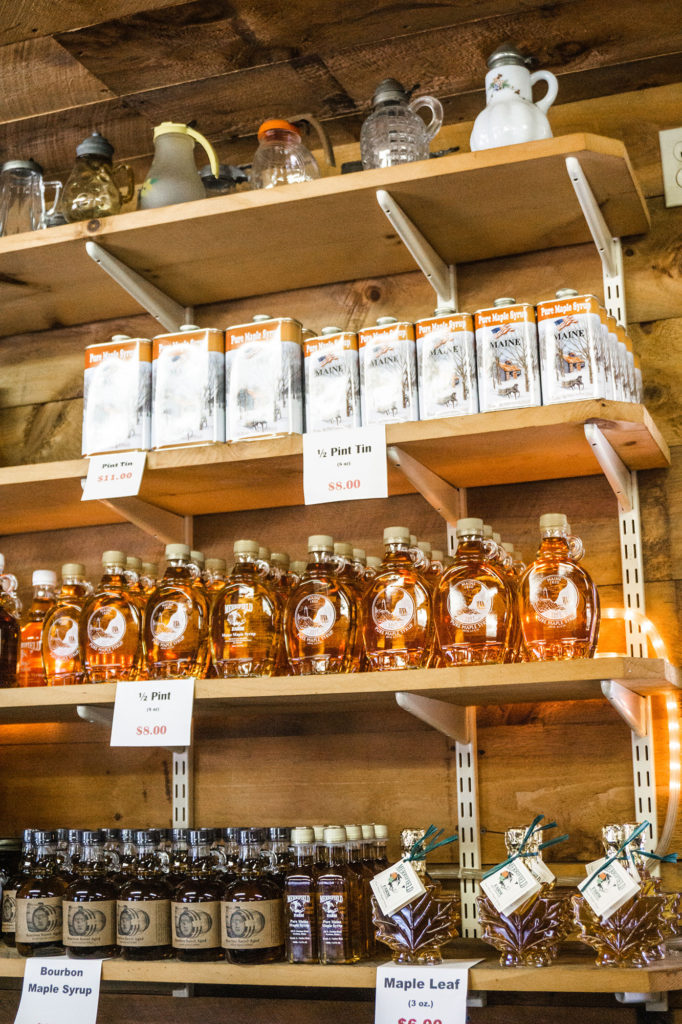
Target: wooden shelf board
471,206
265,473
464,686
574,972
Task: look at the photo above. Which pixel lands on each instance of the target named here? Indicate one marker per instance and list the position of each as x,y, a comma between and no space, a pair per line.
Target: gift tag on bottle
540,870
609,888
510,886
397,886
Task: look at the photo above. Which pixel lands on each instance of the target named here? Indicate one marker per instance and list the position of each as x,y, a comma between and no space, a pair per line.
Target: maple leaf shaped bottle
558,602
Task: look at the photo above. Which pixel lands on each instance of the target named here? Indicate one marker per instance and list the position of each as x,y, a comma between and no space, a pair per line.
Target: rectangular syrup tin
573,361
332,381
446,366
117,396
388,373
188,373
507,359
264,378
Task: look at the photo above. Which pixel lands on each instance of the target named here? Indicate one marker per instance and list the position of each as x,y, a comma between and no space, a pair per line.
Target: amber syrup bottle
31,671
252,911
123,870
337,894
9,647
279,854
397,612
246,619
559,603
300,917
381,861
195,910
320,619
110,628
143,930
39,902
9,893
89,904
227,845
348,573
356,862
176,621
60,649
214,576
474,602
149,577
178,856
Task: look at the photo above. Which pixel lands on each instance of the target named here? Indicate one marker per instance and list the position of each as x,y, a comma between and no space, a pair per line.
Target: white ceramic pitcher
510,115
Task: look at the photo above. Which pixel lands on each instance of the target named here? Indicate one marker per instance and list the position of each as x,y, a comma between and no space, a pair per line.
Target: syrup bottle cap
302,834
44,578
553,521
469,527
177,551
246,547
393,534
320,542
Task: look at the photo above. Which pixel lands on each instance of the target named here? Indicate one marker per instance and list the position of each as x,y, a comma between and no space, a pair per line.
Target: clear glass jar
281,157
394,133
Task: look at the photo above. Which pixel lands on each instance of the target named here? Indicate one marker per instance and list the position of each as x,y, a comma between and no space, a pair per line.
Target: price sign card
153,714
344,465
423,995
59,991
114,476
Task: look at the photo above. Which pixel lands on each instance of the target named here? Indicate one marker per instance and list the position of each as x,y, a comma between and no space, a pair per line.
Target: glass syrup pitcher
394,133
22,197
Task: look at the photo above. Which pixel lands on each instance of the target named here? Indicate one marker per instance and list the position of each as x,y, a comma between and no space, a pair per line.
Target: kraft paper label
196,925
143,923
9,910
39,919
251,925
90,924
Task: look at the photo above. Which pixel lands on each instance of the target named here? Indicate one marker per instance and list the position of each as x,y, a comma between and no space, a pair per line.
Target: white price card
153,713
344,465
114,476
59,991
423,995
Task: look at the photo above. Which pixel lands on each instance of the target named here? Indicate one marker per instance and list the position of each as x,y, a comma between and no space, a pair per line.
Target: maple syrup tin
188,379
573,361
388,372
446,365
507,356
332,380
264,378
117,395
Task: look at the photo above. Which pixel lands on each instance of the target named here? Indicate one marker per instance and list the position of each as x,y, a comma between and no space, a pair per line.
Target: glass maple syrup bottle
215,575
149,577
246,619
337,899
381,861
61,654
89,903
143,930
176,621
251,910
39,902
559,603
110,626
10,633
398,629
9,893
356,862
300,912
320,619
351,574
195,909
31,671
473,602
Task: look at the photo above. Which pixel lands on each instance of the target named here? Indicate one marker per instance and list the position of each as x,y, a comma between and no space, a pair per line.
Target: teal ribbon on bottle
534,827
621,849
427,844
670,858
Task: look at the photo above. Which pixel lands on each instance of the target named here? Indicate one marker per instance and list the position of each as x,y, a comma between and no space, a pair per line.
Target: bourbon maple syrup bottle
143,930
195,909
39,902
110,628
176,621
246,619
59,642
300,912
473,602
9,893
398,628
320,620
559,603
89,904
252,910
31,671
337,898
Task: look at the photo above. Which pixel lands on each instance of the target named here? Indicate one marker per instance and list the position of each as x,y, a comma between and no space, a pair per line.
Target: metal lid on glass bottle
95,145
21,165
396,534
389,91
506,53
334,834
469,527
321,542
302,834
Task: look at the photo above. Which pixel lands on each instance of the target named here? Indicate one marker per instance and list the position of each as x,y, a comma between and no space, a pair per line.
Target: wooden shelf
471,206
300,695
573,972
543,443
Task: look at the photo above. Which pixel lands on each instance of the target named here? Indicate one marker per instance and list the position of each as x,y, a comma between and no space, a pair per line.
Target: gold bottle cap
150,568
353,832
302,834
373,562
134,563
113,558
381,831
342,548
246,547
197,556
424,546
367,831
177,550
509,548
280,558
318,831
299,567
73,569
393,534
320,542
44,578
469,527
216,564
359,554
505,300
264,552
437,555
334,834
553,521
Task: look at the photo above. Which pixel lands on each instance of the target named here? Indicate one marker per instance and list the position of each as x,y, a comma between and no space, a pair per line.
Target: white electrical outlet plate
671,160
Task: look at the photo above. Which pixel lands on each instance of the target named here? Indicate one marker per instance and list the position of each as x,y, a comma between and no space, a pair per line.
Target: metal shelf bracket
630,706
449,501
166,527
608,247
652,1002
183,788
450,719
616,472
438,273
167,311
95,715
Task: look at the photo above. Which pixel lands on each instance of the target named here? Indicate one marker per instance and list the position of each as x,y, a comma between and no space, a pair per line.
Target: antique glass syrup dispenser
59,643
89,903
176,621
195,907
510,115
173,176
110,627
394,133
30,671
559,603
39,902
143,929
22,197
95,187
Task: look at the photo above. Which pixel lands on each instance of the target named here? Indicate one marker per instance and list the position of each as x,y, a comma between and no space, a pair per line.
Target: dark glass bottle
280,854
69,853
124,870
300,915
251,911
177,866
9,895
143,907
90,904
362,911
9,647
228,847
195,910
380,845
39,902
